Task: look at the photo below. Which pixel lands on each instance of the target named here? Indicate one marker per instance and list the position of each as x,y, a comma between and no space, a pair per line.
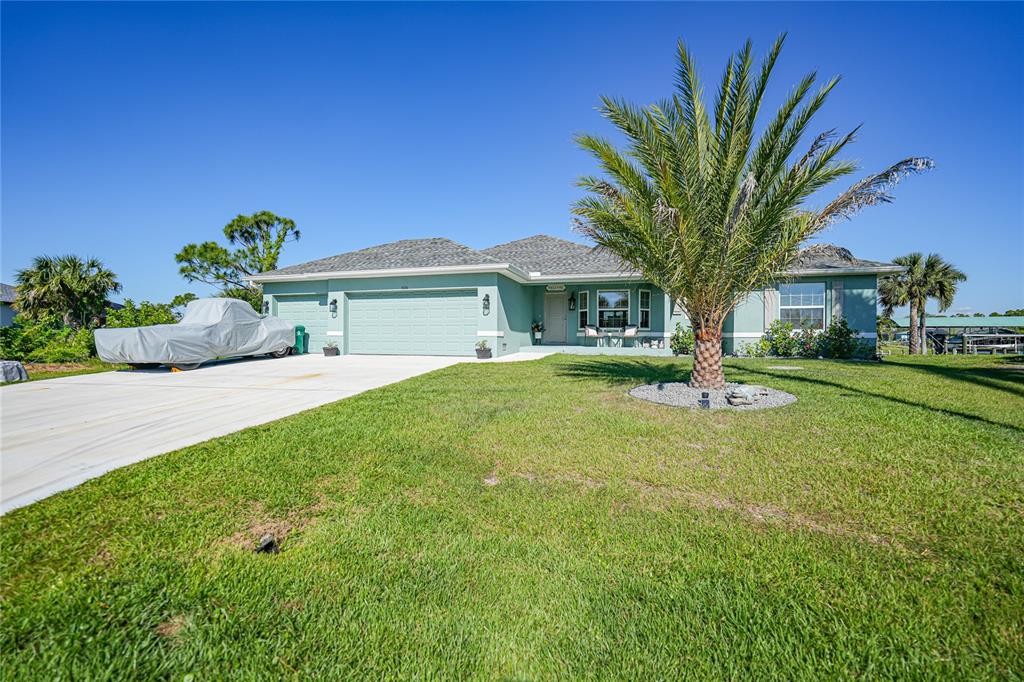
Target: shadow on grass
883,396
623,370
626,370
1008,379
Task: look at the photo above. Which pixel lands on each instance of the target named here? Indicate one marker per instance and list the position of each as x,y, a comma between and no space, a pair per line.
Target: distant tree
885,328
1017,312
145,314
251,295
259,239
924,278
979,314
707,202
74,289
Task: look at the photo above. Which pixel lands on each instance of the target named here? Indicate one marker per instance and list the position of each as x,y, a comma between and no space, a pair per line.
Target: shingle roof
540,253
407,253
829,257
7,293
553,256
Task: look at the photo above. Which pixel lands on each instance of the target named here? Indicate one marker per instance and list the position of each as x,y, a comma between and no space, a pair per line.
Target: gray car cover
210,328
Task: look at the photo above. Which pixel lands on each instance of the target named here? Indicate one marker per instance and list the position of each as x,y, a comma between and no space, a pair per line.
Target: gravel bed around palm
680,394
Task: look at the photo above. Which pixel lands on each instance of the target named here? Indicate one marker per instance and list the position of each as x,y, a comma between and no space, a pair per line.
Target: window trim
642,309
582,308
823,306
599,309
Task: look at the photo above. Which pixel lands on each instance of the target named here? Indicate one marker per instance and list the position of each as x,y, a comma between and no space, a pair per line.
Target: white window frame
824,296
599,309
582,308
642,309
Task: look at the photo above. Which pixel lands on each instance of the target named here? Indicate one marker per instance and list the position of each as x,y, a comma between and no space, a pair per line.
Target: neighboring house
7,296
438,297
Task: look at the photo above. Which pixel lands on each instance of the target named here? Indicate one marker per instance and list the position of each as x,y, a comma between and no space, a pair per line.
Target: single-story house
7,298
439,297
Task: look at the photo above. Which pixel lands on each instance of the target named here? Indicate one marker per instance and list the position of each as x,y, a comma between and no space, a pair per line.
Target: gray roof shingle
553,256
831,257
407,253
537,254
8,294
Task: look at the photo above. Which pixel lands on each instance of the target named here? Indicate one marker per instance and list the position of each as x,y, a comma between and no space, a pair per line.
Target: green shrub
780,340
682,341
66,345
145,314
22,338
839,341
808,343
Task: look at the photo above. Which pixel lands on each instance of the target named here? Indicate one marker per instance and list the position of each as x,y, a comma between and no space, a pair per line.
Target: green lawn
531,521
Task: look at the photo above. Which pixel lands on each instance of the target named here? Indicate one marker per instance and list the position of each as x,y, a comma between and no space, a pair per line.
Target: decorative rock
744,397
268,545
12,370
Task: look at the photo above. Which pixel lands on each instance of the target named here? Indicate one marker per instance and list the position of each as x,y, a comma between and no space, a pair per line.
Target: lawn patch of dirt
171,628
262,523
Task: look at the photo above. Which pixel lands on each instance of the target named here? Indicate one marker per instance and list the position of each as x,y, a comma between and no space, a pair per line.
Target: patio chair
592,332
630,333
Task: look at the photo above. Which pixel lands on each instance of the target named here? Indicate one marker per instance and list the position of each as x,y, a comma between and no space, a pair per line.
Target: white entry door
555,314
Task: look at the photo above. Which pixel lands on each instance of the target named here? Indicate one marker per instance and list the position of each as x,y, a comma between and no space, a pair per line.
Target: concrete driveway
58,433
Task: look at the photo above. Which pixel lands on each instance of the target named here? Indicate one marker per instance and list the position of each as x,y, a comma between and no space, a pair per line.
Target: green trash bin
301,340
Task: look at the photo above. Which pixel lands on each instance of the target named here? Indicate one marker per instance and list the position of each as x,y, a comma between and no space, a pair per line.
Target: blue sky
129,130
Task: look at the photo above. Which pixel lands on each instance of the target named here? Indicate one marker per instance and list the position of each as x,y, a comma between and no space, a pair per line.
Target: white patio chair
630,333
592,332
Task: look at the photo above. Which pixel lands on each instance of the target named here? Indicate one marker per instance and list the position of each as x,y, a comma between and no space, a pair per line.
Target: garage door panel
413,323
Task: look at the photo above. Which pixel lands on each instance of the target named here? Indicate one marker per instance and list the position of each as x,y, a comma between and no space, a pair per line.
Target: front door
555,313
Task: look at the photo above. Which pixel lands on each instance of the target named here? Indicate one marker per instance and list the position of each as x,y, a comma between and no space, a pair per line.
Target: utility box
301,340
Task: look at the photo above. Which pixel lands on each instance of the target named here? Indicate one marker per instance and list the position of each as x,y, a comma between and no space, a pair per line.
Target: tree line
59,300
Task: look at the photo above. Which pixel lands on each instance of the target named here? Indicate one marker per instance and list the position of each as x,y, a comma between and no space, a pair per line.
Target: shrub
682,341
144,314
24,337
780,341
66,345
839,341
808,343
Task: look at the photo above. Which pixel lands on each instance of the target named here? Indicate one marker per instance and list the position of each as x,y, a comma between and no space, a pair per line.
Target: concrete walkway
58,433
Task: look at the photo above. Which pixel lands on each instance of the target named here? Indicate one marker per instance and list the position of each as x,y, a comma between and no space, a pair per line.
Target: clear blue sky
130,130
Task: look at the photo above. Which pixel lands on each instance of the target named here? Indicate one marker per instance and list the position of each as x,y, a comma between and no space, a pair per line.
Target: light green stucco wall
6,315
514,306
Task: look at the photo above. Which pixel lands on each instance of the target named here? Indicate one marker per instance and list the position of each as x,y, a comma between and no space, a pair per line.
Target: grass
53,370
531,520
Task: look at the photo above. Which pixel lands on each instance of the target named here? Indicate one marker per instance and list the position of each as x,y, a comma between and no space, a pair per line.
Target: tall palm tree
68,286
924,278
708,210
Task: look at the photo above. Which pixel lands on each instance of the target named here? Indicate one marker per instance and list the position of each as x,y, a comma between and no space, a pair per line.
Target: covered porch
605,317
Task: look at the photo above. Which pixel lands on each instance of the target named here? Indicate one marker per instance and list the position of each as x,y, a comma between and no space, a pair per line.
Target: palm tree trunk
707,359
915,330
924,330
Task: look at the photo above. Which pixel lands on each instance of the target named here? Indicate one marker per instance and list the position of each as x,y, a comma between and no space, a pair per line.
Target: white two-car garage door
309,310
413,323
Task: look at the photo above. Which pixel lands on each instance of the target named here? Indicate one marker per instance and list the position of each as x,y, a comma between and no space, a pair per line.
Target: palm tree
923,278
67,286
707,210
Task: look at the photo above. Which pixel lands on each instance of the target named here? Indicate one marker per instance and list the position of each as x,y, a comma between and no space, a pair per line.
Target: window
645,309
583,306
803,305
612,309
